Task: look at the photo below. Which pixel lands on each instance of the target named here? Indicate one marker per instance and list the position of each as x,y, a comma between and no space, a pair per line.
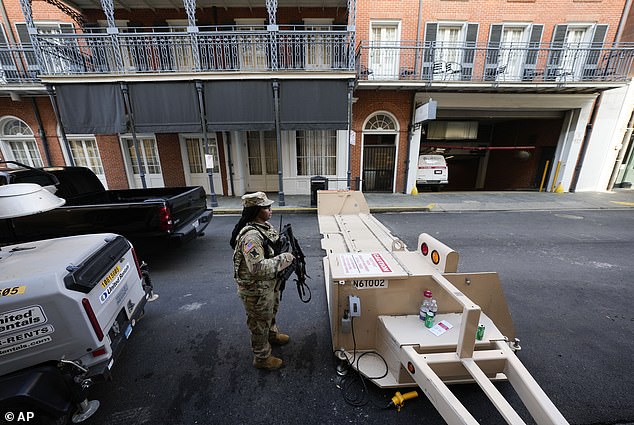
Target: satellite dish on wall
20,199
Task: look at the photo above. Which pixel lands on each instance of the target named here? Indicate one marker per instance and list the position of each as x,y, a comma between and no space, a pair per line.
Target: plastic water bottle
425,306
433,307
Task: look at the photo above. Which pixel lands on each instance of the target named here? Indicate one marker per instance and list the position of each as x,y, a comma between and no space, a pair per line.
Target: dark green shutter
493,51
468,54
590,67
555,54
431,31
534,43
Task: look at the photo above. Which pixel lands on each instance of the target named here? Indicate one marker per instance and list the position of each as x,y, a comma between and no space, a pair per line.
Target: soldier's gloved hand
286,258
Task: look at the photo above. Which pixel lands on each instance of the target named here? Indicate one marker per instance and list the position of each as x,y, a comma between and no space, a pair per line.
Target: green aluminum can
480,332
429,319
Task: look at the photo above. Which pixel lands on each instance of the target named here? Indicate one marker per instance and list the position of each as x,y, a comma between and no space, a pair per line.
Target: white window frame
7,140
388,59
334,140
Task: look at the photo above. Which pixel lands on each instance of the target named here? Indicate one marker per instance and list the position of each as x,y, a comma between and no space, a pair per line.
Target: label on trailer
17,320
112,281
440,327
15,290
25,345
26,335
362,263
370,283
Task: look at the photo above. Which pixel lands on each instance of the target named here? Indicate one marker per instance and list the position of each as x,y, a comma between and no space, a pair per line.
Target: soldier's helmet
257,199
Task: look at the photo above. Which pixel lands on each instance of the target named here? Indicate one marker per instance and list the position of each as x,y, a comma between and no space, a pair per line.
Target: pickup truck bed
176,214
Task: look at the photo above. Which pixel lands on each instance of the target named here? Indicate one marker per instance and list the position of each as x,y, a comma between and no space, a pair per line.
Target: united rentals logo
112,281
17,320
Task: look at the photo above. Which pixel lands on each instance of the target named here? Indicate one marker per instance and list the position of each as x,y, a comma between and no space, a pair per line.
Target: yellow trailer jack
372,276
399,399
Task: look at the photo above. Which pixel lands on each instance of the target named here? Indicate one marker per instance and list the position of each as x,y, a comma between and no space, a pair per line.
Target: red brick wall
112,160
397,103
41,12
171,159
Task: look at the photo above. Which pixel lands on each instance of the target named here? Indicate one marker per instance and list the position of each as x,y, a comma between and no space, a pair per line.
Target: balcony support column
113,31
135,142
352,19
27,11
192,29
278,133
51,94
273,28
203,125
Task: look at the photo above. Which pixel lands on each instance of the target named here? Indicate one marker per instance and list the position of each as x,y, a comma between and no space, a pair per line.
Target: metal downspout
227,137
51,94
135,142
626,12
619,158
584,146
42,133
203,126
278,135
349,172
410,137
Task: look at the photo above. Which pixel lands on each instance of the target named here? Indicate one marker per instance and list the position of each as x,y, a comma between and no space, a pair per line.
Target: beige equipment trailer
374,281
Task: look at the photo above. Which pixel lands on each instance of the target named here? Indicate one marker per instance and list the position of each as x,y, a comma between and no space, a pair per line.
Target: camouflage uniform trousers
261,311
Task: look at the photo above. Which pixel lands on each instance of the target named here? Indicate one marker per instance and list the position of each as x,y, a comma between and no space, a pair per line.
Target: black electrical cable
354,388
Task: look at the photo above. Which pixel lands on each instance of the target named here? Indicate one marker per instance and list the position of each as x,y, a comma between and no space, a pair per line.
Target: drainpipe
619,159
584,146
418,26
42,133
278,135
135,142
410,136
349,172
51,94
626,12
203,126
227,137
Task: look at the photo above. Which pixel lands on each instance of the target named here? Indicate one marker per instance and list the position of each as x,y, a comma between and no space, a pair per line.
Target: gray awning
239,105
166,107
314,105
91,108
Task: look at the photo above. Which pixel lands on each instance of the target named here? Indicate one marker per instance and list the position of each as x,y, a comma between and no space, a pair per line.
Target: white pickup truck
432,171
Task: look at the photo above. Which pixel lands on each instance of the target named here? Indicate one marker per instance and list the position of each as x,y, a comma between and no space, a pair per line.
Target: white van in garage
432,171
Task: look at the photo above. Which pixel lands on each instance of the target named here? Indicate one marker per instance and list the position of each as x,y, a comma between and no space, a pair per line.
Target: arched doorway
18,142
379,153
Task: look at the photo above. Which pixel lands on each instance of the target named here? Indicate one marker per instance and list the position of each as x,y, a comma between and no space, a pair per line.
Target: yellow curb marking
628,204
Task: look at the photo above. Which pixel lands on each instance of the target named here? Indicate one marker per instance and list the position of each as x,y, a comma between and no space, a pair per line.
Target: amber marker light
435,257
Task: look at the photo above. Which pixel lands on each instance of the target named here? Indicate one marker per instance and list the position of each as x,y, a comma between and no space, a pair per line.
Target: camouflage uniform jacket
255,265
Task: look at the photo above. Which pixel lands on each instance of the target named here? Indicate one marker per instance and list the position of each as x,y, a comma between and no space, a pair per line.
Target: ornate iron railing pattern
18,65
209,50
510,63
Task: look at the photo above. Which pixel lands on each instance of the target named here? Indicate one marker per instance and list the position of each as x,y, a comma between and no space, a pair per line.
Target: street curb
313,210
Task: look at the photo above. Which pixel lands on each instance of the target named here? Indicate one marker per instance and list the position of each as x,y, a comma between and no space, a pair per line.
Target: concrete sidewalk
457,202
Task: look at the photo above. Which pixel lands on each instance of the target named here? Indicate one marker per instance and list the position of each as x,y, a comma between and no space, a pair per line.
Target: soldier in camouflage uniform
255,268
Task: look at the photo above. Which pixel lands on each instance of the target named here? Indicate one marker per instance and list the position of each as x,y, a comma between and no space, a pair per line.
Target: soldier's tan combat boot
270,363
279,339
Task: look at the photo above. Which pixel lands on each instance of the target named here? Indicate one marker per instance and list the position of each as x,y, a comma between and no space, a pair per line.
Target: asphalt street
567,277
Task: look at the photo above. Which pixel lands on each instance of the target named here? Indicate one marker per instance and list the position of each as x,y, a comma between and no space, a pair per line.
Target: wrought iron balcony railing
213,49
18,65
497,64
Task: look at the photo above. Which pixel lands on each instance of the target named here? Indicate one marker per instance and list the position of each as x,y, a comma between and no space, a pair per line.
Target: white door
262,161
577,39
448,52
193,153
253,47
318,46
384,52
512,51
86,154
149,161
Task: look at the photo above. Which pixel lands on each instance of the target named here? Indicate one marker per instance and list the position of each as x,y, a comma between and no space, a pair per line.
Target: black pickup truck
176,214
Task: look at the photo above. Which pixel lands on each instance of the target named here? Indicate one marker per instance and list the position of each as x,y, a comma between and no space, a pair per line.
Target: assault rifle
288,243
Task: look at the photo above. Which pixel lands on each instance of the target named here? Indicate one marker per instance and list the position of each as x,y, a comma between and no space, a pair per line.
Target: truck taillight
92,318
138,266
165,219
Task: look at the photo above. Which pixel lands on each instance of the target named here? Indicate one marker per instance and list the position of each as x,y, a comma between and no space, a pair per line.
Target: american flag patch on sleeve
248,247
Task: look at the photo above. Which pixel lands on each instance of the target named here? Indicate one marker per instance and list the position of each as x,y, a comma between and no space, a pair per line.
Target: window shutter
590,67
67,28
469,52
556,54
431,31
3,38
534,43
493,52
23,33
